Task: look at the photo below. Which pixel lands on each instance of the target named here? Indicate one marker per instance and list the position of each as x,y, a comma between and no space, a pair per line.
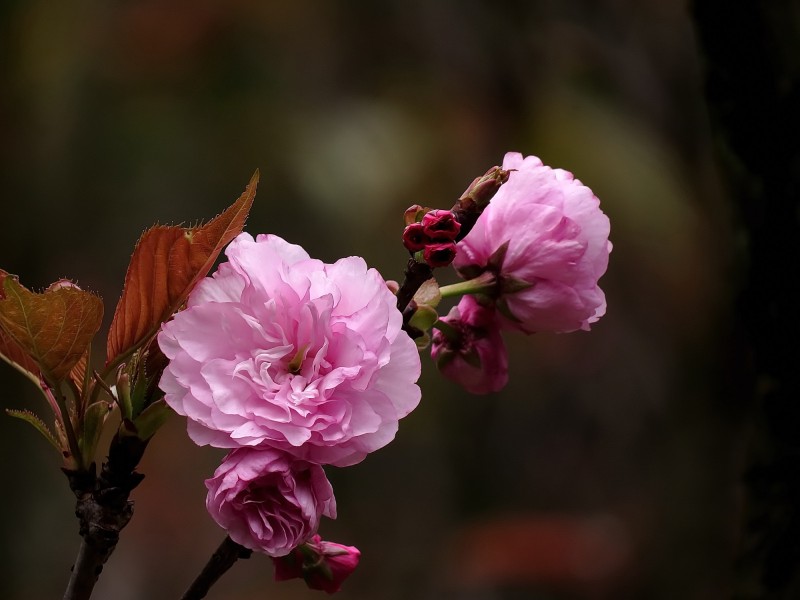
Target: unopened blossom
439,254
440,225
280,350
323,565
268,500
468,349
543,242
414,238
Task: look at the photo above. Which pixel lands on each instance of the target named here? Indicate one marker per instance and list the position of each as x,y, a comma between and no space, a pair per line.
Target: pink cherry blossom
280,350
545,240
469,350
269,501
323,565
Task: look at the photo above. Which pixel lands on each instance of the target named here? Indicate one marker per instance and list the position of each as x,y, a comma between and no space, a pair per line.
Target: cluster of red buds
433,235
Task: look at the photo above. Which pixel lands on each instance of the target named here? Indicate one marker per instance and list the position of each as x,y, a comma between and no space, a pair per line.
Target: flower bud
441,225
481,191
323,565
439,255
476,198
414,238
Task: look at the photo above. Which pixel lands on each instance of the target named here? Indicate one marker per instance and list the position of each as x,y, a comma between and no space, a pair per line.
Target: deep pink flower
323,565
269,501
469,350
545,239
280,350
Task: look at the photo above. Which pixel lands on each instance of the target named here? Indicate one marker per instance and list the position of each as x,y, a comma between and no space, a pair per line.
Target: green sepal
124,395
502,308
498,257
472,358
423,318
139,391
37,424
92,427
471,271
511,285
151,419
423,341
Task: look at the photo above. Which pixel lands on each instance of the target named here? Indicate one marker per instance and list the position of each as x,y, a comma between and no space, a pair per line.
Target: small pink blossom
280,350
269,501
469,350
545,240
323,565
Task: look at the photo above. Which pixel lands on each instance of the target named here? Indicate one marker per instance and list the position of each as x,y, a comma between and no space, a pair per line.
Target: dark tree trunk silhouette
752,54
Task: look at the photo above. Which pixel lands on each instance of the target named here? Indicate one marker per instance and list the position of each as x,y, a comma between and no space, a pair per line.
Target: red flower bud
441,225
323,565
414,238
439,255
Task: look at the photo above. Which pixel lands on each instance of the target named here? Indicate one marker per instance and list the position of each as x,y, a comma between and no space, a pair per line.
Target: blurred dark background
608,468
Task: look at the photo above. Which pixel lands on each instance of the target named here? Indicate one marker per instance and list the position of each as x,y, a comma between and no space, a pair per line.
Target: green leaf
92,427
37,424
151,419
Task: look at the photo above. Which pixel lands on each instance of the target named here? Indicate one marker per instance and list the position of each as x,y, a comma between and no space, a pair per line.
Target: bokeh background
608,468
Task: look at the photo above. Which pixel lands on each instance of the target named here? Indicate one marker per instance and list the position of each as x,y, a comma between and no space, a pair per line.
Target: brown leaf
78,372
10,350
55,327
165,266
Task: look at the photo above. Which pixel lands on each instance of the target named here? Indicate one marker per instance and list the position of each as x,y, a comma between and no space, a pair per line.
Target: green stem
485,282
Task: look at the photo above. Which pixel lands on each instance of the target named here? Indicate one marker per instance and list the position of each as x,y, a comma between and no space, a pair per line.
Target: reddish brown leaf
166,264
78,372
10,350
55,327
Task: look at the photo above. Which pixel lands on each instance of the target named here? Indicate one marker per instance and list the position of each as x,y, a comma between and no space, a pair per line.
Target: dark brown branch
219,563
103,510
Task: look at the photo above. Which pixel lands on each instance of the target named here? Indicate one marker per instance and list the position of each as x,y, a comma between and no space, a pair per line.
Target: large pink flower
269,501
281,350
545,240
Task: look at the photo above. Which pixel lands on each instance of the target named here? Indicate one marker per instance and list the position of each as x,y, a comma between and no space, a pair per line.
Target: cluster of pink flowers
294,364
535,256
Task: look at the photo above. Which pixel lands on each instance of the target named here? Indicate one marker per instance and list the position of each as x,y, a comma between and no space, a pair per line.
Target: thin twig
219,563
